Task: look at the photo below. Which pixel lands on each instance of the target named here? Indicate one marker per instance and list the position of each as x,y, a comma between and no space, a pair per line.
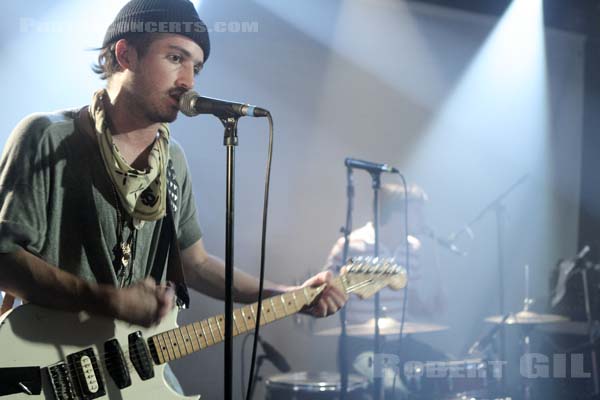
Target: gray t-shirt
57,200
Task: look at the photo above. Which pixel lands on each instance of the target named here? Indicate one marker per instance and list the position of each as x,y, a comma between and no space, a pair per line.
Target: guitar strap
7,303
168,246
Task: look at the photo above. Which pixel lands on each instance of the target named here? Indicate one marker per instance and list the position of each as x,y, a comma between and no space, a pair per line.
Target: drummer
393,243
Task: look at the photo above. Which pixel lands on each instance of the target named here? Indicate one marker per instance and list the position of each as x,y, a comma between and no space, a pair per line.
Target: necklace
125,247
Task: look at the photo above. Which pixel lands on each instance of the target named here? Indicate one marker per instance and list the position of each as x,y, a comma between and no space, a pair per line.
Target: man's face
416,218
162,75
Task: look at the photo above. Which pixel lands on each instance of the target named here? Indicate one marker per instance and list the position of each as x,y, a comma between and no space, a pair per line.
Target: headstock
365,276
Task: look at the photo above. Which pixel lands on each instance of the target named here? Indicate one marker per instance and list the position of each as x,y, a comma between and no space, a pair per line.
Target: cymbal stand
591,335
527,301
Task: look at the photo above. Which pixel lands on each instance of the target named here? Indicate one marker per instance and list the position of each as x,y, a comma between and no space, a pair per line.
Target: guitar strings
112,360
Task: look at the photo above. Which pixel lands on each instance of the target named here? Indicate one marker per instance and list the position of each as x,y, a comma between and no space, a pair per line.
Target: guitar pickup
140,356
116,364
85,372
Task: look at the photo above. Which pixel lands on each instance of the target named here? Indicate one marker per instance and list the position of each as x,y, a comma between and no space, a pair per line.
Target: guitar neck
179,342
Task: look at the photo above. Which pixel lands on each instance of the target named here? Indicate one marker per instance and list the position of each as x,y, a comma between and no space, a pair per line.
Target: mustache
177,92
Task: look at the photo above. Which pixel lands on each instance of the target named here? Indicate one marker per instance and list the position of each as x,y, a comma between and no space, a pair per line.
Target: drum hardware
314,386
526,320
471,378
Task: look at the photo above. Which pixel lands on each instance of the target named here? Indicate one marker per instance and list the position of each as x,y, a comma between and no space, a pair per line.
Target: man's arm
24,275
206,274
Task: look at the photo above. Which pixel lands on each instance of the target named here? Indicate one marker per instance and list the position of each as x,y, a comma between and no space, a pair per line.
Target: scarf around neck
142,193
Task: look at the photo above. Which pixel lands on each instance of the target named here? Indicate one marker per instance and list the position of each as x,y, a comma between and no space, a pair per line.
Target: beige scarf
142,193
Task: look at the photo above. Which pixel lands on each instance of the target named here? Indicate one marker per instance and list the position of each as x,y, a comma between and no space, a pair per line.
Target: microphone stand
343,342
230,140
377,359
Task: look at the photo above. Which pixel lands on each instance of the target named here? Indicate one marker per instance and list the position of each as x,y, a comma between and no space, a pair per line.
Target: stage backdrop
460,103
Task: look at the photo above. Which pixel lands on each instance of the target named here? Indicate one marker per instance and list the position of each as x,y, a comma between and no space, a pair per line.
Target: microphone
275,356
369,166
466,229
429,232
192,104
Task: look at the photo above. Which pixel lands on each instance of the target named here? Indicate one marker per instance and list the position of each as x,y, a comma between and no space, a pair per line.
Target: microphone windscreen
187,101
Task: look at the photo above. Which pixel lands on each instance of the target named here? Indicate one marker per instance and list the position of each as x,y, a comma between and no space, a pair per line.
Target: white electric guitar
49,354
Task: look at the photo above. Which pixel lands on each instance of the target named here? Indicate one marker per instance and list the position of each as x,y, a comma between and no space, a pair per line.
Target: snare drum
314,386
444,379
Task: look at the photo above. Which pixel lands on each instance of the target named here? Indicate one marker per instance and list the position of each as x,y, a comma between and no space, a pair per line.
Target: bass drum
314,386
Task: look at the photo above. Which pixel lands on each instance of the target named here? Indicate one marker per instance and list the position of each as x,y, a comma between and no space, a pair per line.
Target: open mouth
176,95
175,99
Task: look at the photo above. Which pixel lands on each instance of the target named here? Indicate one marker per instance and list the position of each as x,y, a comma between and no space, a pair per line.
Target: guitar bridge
62,386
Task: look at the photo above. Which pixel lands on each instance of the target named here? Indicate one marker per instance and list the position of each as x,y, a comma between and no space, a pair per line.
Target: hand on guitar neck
330,300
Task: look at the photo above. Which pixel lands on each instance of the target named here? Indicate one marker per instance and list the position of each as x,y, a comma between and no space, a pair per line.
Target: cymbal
578,328
527,318
387,327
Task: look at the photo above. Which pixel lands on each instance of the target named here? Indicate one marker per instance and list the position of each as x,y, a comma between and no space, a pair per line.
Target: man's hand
144,303
331,299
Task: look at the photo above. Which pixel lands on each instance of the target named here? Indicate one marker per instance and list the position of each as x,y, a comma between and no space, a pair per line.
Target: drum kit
471,378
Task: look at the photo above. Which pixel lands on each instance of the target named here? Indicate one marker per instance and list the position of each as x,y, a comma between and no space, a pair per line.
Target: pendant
125,254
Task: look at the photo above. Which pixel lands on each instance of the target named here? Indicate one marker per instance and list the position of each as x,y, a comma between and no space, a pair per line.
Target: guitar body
35,336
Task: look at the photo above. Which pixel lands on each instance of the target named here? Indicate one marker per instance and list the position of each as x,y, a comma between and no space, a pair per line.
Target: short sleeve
188,228
25,170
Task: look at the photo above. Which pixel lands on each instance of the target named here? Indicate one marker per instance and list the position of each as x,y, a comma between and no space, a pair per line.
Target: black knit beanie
159,16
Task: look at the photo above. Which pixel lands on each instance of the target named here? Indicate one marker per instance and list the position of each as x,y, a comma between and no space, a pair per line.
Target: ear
125,54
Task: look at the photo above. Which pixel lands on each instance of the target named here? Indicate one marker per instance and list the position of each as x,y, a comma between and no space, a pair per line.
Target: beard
156,106
163,116
161,111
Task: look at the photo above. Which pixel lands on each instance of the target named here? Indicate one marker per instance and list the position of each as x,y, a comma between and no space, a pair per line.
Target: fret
273,308
159,350
183,343
210,339
193,337
173,340
234,327
306,296
288,300
246,319
295,301
211,325
252,308
283,301
200,335
265,311
165,348
212,331
220,320
168,346
235,322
